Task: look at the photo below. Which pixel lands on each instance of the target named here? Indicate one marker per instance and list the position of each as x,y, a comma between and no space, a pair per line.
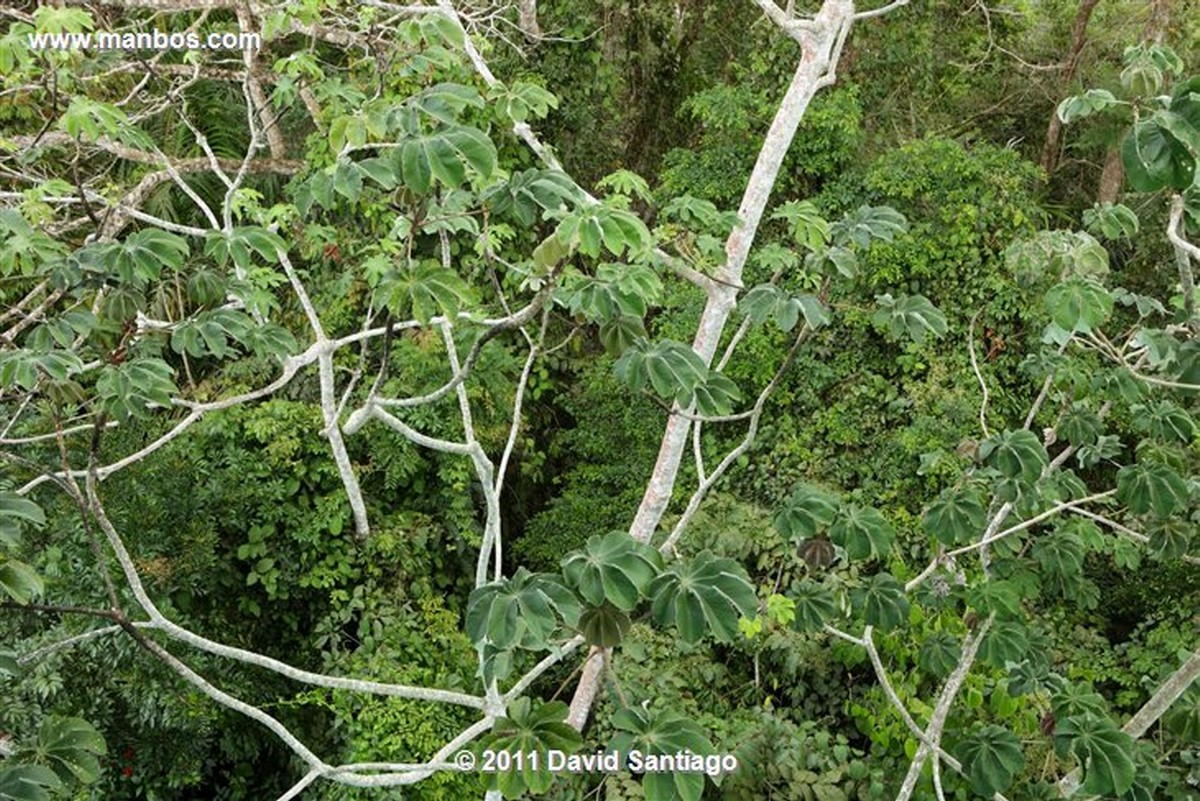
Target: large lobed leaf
701,595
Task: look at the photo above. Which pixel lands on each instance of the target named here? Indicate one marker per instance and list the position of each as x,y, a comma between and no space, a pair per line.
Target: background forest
351,357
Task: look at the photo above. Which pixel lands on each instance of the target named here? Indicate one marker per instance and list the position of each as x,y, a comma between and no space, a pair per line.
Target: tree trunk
1078,40
816,63
1112,179
527,19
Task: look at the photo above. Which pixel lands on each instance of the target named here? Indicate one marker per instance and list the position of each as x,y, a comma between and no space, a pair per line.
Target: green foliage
704,594
991,757
615,568
660,733
527,728
1103,751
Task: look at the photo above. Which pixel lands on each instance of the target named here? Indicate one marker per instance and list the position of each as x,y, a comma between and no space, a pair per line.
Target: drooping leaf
1104,752
604,626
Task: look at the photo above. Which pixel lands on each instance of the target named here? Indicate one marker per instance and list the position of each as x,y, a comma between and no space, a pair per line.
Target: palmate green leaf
529,727
881,602
70,746
1104,752
1090,102
768,301
1183,718
991,757
1068,699
998,596
808,228
141,257
1016,454
939,654
135,388
671,368
909,315
1171,539
703,594
1113,220
957,516
241,243
1164,420
716,395
522,610
815,605
1006,641
17,511
621,332
1079,305
615,568
806,513
423,290
19,581
1080,426
528,193
867,223
1151,488
445,156
1061,553
864,532
604,626
593,225
658,733
28,783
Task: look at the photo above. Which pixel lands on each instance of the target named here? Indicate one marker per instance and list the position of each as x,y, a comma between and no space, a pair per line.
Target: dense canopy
431,400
